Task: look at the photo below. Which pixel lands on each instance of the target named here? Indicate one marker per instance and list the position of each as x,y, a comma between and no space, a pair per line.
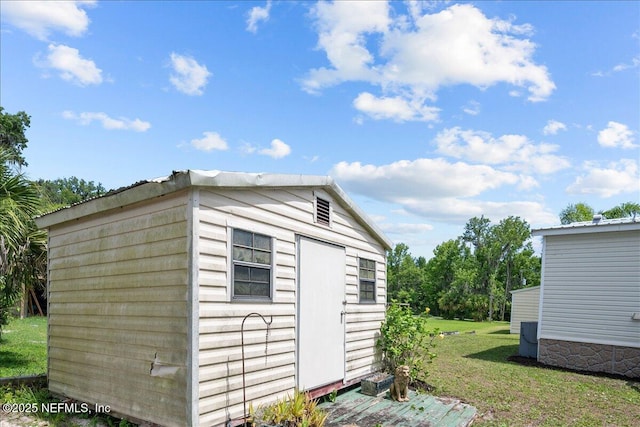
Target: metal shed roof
178,180
598,224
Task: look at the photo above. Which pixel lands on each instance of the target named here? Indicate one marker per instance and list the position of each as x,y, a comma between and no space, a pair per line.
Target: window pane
371,264
242,289
367,291
241,237
260,275
262,257
262,242
241,254
260,290
241,273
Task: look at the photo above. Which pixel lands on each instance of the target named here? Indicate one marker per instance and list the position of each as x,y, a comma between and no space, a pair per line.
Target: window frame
233,262
368,281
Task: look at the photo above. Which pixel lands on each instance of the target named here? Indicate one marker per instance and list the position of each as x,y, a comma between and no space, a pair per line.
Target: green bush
405,339
299,410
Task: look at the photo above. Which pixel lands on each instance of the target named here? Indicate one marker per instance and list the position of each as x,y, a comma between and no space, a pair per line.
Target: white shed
590,296
150,285
524,307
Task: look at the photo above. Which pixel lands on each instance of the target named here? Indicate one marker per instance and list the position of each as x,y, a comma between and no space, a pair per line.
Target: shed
590,296
524,307
151,290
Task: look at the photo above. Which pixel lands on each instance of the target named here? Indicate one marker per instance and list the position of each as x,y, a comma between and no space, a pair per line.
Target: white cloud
209,142
616,135
472,108
121,123
438,190
41,18
188,76
413,56
460,210
405,228
634,63
257,14
394,108
553,127
429,178
512,151
71,66
278,150
615,178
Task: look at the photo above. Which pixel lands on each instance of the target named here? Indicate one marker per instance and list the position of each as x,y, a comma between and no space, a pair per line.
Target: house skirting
590,357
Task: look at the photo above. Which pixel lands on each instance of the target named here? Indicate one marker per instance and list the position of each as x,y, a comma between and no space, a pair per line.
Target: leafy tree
67,191
401,274
12,136
623,210
510,234
440,272
486,250
576,213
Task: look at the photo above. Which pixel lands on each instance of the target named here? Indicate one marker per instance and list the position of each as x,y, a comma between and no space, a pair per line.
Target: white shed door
321,329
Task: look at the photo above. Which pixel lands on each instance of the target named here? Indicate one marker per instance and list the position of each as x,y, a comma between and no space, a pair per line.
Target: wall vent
323,211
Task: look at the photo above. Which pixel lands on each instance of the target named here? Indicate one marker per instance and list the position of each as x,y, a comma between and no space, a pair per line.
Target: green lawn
474,368
23,347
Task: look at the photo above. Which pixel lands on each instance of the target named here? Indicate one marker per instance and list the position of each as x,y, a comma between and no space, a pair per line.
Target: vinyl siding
117,304
591,288
270,363
525,304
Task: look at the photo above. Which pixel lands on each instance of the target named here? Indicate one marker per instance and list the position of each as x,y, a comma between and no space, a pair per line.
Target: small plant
298,410
405,339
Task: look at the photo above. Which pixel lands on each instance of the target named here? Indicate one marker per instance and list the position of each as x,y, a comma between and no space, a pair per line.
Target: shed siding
591,288
270,361
525,304
117,304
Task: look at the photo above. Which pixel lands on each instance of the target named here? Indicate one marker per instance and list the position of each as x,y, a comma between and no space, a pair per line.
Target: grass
23,351
23,347
474,368
470,367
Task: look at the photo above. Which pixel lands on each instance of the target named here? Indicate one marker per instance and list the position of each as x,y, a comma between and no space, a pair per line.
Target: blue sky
426,113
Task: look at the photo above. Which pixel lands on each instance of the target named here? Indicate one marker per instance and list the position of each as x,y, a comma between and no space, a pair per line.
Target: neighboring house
525,305
590,296
149,286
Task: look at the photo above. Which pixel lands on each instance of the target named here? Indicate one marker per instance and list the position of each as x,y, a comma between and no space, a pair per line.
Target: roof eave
589,228
179,180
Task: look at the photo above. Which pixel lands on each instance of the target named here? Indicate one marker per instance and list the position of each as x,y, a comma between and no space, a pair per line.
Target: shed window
323,211
367,275
252,265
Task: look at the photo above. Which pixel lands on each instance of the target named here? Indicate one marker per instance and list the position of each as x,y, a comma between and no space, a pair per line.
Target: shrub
299,410
405,339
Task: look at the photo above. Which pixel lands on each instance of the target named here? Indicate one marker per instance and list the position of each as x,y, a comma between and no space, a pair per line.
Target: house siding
525,304
118,310
270,360
590,288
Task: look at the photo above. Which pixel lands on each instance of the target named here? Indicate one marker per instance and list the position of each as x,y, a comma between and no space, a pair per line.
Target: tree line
471,276
467,277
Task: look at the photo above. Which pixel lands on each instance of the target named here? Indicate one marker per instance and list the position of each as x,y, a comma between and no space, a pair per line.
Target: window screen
252,261
367,275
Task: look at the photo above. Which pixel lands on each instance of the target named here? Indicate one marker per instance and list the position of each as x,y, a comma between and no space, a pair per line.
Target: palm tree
22,245
623,210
